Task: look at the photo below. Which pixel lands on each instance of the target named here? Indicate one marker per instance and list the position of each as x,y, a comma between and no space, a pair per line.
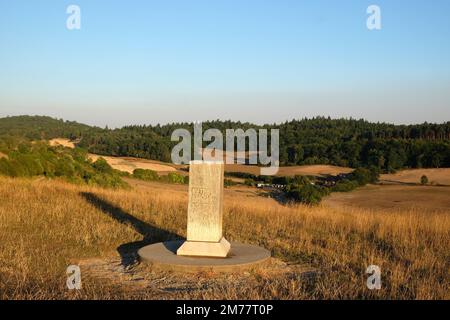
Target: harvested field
439,176
393,197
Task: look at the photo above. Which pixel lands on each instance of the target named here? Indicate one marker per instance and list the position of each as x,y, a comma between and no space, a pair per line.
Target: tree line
321,140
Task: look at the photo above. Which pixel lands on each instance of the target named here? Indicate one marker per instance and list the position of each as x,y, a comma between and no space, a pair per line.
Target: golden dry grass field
393,197
439,176
307,170
319,253
128,164
62,142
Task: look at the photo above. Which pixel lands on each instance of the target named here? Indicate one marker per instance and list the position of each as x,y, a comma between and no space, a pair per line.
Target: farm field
393,197
439,176
308,170
128,164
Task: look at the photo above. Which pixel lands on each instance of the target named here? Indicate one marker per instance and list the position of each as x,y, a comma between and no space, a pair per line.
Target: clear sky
136,62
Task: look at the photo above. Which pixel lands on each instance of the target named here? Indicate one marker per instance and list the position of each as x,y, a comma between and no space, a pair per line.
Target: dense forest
343,142
41,127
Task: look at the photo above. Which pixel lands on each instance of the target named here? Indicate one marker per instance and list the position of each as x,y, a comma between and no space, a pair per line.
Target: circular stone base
241,257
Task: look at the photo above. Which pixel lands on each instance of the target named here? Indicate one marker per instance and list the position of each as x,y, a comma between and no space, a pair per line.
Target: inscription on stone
201,195
204,225
205,202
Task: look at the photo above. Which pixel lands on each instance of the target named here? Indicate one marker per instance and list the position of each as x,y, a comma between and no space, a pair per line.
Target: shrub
102,165
33,159
145,174
175,178
424,180
308,194
228,183
249,182
364,176
345,186
301,180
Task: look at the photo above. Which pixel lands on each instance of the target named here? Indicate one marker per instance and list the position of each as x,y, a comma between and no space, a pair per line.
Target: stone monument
205,211
205,248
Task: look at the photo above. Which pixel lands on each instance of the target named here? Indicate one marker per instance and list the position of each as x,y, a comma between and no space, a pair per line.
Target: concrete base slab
163,255
205,249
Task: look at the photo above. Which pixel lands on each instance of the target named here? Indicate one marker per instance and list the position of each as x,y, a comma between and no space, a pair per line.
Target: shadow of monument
151,234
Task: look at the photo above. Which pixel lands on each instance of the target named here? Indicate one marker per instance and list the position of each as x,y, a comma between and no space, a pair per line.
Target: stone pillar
205,211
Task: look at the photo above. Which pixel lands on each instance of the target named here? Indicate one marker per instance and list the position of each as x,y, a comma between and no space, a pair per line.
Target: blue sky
260,61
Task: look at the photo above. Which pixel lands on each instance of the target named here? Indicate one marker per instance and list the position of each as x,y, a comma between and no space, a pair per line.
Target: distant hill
42,127
341,142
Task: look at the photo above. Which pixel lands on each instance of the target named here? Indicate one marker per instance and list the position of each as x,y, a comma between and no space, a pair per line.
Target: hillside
42,127
319,253
20,157
339,142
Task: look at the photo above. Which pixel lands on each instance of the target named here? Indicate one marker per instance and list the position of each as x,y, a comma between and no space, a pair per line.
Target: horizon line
229,120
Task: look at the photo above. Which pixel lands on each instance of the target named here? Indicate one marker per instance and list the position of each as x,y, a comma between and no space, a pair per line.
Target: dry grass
435,176
47,225
128,164
393,197
307,170
62,142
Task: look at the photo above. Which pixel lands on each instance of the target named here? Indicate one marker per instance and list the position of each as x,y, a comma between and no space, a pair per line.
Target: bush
6,168
64,168
424,180
229,183
364,176
175,178
102,166
249,182
301,180
345,186
145,174
307,194
34,159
